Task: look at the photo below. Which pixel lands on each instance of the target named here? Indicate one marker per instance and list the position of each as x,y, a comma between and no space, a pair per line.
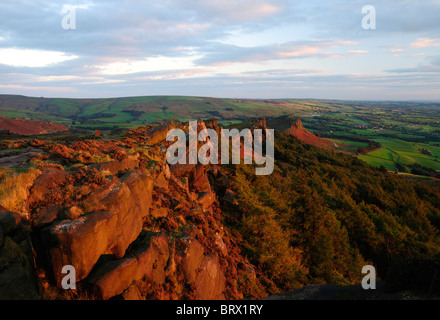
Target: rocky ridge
133,227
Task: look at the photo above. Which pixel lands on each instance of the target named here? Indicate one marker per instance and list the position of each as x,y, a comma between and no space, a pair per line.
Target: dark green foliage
321,216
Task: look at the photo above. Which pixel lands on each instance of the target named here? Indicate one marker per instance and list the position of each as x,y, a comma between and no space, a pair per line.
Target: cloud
431,64
425,43
234,10
171,45
32,58
223,54
159,63
358,51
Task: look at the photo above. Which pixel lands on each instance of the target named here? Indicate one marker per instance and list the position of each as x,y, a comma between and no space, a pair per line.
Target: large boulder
207,199
17,284
116,213
80,243
45,184
9,221
204,271
158,134
181,170
148,261
199,181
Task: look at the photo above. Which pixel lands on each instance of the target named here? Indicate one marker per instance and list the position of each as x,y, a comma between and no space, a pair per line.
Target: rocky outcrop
203,271
133,228
113,222
8,220
16,273
43,185
158,134
297,129
147,262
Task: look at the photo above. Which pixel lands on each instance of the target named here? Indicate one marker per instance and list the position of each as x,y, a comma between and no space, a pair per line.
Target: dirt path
18,160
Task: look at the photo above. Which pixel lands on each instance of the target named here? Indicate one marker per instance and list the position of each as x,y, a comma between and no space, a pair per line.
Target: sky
221,48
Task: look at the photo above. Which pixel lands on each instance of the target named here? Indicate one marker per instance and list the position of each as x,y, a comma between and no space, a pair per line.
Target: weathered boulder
132,293
149,261
117,212
161,176
15,272
45,215
45,184
80,243
71,213
204,271
17,284
206,199
9,221
199,180
158,134
180,170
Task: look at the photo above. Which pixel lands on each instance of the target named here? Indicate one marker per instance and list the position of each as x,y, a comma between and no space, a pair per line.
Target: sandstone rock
220,244
71,213
181,184
15,272
114,167
80,243
45,215
147,261
132,293
158,134
120,207
206,199
167,171
180,170
9,221
44,184
210,281
203,271
17,284
159,212
200,182
134,156
161,177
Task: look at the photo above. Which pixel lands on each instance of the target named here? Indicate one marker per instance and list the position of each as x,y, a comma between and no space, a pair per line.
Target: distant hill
132,111
30,127
306,136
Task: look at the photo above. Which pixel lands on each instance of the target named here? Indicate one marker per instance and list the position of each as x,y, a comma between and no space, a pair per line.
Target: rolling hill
132,111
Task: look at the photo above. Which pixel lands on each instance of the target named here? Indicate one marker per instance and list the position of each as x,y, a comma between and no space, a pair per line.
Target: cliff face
298,130
133,227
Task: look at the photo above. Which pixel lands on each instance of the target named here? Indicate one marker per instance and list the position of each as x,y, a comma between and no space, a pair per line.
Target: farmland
400,136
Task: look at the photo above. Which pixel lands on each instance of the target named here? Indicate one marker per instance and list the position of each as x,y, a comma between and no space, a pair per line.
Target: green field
408,132
406,153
